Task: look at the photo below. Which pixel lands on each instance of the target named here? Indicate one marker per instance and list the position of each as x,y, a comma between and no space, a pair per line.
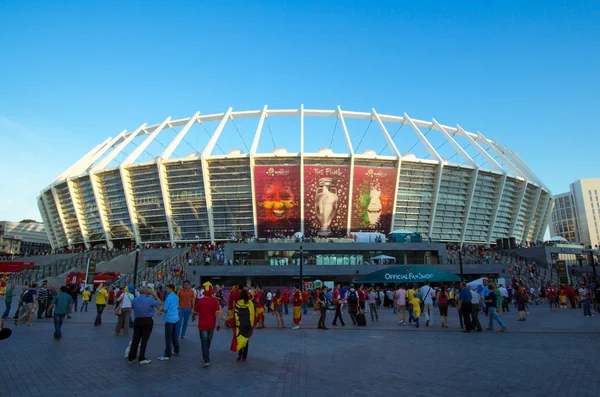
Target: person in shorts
30,300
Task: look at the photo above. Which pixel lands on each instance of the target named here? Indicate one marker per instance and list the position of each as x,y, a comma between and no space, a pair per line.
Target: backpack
353,298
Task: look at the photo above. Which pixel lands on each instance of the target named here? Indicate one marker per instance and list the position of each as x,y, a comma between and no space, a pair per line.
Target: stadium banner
372,199
277,192
326,200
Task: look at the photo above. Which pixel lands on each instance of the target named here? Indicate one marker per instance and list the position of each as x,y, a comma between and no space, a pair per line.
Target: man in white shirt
427,294
269,299
504,293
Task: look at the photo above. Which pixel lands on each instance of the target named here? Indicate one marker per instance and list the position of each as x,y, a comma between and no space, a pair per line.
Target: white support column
78,211
111,156
510,165
130,201
392,145
100,205
261,121
518,210
302,169
140,149
497,201
215,136
61,216
471,190
206,174
48,225
351,185
484,154
88,159
175,142
536,202
440,170
126,178
547,216
54,222
164,189
541,222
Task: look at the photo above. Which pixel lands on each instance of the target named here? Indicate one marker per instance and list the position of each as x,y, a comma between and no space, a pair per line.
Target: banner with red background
372,199
326,200
277,192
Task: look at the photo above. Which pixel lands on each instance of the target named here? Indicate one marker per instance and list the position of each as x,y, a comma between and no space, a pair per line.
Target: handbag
118,311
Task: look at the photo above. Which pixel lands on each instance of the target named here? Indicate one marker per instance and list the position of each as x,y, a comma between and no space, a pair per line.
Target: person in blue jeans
209,312
10,292
186,302
171,309
491,299
63,303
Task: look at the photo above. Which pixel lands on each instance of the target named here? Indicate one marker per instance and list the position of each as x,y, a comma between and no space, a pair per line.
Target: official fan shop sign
408,274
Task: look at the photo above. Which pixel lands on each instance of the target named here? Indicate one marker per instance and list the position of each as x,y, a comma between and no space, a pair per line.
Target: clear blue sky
72,75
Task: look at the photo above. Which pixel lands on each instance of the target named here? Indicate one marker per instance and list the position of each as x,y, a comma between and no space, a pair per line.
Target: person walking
49,309
101,296
22,304
171,309
552,297
475,308
30,303
493,313
260,300
297,307
208,311
337,301
63,304
427,293
42,300
286,300
372,301
353,304
85,299
400,300
243,326
322,301
442,298
464,300
143,309
123,308
269,300
585,294
10,292
504,293
186,303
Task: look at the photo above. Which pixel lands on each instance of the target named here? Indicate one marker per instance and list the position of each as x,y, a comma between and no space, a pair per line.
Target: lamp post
135,269
301,269
462,276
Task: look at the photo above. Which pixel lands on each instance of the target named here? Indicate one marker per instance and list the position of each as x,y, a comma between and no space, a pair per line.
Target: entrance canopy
408,274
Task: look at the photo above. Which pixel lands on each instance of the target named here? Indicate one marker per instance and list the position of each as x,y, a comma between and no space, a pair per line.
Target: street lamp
301,269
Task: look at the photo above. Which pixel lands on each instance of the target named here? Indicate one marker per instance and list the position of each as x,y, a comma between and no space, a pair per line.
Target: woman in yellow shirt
101,296
416,307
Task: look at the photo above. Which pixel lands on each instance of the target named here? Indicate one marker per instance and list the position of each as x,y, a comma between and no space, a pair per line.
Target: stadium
214,176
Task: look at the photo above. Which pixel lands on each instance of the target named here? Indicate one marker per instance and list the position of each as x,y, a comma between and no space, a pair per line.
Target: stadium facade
210,197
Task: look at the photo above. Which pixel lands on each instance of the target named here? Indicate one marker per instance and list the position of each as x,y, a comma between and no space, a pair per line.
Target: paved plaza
551,354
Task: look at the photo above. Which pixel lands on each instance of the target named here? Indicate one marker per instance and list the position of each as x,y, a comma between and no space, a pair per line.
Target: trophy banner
277,192
326,200
372,199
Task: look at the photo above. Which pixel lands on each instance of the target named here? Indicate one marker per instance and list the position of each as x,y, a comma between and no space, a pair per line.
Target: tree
28,221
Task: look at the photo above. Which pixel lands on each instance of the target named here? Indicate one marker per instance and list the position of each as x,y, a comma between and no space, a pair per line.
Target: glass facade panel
451,204
113,196
148,204
415,197
57,225
84,196
231,192
482,207
525,212
506,208
68,212
188,201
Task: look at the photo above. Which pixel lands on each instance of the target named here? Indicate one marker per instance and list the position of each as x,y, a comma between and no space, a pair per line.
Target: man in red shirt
305,302
209,312
335,296
361,298
551,293
286,300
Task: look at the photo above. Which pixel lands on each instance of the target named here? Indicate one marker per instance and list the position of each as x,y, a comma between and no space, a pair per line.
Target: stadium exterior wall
207,197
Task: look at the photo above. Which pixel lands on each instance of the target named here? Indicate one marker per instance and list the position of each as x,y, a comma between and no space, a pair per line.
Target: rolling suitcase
361,320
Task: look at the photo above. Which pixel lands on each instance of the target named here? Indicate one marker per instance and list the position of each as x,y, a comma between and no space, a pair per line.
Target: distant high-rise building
576,214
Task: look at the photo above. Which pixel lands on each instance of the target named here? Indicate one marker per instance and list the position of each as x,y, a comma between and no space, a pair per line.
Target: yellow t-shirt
410,294
86,295
101,297
416,302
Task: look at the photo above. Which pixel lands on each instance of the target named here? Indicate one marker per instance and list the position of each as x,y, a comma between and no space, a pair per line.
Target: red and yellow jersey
298,298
